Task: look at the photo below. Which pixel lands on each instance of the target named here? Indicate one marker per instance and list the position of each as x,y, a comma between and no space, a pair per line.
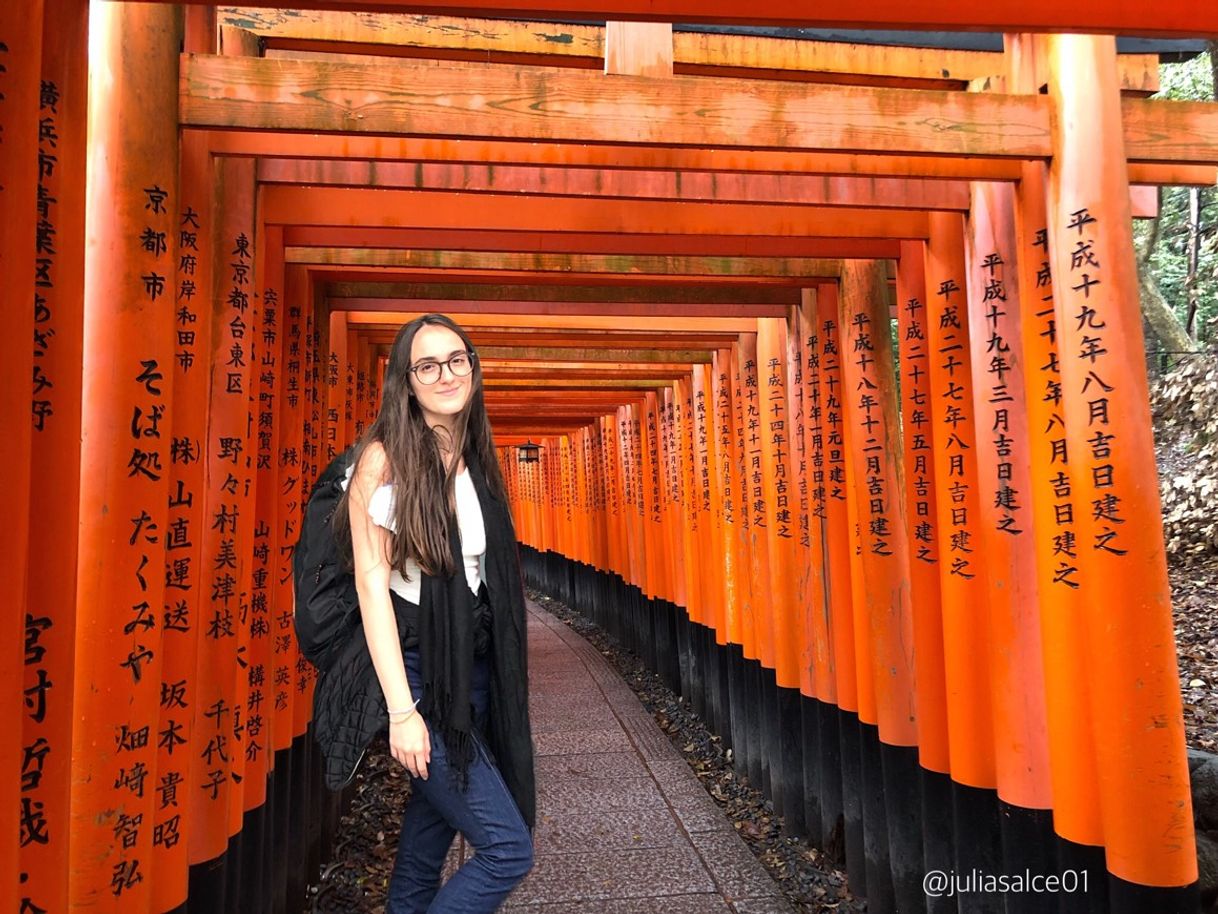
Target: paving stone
650,873
567,742
737,872
551,721
567,831
769,904
605,794
646,735
670,904
592,765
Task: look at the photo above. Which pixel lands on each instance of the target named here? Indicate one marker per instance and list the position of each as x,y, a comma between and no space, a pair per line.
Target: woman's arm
370,544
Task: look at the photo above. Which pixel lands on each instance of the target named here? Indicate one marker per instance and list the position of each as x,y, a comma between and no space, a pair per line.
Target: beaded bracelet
407,711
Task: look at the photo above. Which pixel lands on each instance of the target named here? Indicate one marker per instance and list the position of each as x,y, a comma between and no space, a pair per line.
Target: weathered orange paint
47,619
226,537
182,623
1002,15
844,685
966,639
1004,518
344,206
884,630
1126,603
781,497
126,390
926,548
1075,782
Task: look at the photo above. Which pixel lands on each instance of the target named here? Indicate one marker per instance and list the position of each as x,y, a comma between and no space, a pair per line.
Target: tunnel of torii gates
833,353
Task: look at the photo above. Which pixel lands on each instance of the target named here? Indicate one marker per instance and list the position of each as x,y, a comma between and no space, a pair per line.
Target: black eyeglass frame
469,353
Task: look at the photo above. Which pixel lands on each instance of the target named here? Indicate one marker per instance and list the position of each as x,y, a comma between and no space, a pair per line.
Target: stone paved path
623,825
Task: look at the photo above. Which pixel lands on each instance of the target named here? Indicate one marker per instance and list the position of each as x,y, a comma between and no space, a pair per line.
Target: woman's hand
411,745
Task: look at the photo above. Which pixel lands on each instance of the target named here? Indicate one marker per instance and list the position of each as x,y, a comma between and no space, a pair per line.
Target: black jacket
349,707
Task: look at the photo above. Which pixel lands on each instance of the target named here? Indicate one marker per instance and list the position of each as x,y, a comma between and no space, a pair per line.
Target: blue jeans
485,813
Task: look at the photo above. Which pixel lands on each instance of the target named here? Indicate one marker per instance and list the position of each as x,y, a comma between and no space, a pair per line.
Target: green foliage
1191,80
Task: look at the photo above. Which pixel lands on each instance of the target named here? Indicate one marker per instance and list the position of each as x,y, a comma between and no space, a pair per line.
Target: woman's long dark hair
424,494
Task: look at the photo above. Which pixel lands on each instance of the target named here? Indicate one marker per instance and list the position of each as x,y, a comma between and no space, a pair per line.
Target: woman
442,605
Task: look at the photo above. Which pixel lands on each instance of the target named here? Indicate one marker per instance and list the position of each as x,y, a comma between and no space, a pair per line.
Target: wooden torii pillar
127,388
20,61
1125,604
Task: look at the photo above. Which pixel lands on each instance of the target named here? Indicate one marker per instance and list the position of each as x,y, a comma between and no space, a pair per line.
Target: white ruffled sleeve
380,506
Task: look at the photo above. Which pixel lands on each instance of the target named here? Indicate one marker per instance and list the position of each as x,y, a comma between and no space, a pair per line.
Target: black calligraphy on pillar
871,418
1065,544
755,486
235,360
818,491
185,315
916,390
956,404
799,430
703,441
776,418
998,367
145,466
835,456
1098,391
45,254
723,404
653,449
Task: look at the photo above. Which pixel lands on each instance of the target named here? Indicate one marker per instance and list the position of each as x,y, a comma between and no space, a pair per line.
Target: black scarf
446,649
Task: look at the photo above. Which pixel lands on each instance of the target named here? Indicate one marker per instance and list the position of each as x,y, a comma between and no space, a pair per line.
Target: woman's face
448,395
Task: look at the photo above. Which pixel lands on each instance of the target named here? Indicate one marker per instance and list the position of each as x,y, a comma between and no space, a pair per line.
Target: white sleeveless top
469,522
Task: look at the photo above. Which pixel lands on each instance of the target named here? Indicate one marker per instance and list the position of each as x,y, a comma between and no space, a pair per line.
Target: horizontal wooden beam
589,340
821,190
545,105
536,104
587,355
559,307
442,260
491,295
294,205
649,323
343,272
283,144
566,44
588,242
286,144
1100,16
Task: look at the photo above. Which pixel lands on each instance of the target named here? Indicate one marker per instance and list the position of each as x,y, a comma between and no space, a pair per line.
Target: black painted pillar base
809,721
790,745
902,778
852,801
880,896
977,828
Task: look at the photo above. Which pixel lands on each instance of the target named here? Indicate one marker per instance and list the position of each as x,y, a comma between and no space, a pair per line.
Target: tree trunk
1156,311
1191,279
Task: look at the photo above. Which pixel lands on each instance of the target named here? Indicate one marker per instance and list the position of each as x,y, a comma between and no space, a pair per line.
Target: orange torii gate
843,584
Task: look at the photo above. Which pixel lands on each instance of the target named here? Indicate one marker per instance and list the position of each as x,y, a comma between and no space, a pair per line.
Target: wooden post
54,460
295,483
962,580
1126,602
921,496
185,572
217,749
131,218
1006,524
20,62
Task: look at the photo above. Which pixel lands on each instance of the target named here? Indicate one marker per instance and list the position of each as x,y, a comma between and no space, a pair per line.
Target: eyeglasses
460,365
